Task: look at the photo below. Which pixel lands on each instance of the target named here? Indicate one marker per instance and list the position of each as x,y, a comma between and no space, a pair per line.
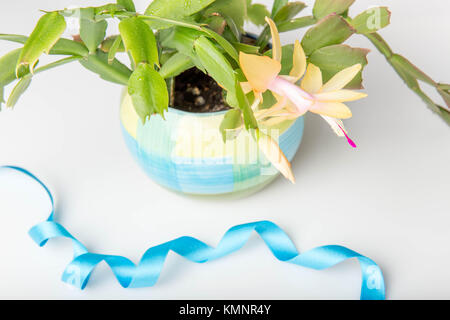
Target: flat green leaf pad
322,8
46,33
371,20
335,58
139,40
329,31
148,91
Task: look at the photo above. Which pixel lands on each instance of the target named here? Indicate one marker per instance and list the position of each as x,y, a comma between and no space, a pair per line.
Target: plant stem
112,73
296,23
409,74
285,26
170,21
226,45
57,64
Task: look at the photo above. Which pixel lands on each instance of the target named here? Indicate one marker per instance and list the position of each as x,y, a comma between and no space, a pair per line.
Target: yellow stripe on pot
199,137
128,116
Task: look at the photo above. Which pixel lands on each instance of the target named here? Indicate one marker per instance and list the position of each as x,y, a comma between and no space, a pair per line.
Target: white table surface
389,199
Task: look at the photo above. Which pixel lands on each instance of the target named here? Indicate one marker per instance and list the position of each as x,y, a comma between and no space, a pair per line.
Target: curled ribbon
146,273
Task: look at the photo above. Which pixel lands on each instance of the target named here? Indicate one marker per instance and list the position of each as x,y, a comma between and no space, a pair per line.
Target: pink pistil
350,141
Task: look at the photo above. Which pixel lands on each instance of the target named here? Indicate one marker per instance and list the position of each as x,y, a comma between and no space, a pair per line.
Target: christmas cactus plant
263,84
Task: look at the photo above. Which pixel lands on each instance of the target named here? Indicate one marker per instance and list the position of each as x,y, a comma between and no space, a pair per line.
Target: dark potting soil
195,91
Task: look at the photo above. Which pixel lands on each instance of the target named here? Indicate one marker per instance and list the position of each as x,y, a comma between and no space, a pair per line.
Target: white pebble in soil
200,101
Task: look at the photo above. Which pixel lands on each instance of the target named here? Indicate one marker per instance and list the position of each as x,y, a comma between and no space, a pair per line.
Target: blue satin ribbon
146,273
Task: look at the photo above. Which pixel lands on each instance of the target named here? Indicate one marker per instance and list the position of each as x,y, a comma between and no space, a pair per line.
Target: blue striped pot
186,153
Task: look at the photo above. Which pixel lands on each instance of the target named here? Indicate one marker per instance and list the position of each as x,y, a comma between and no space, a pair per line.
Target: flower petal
280,104
298,62
276,43
246,87
301,99
331,109
290,107
275,155
312,81
256,102
336,124
338,128
288,78
342,78
260,71
340,96
277,120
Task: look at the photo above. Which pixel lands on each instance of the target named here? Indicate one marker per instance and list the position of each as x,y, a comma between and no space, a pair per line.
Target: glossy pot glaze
186,153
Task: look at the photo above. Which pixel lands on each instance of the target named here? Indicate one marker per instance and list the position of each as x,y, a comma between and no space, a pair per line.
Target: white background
389,199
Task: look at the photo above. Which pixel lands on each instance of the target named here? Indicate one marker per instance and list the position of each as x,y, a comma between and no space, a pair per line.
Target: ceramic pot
186,153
